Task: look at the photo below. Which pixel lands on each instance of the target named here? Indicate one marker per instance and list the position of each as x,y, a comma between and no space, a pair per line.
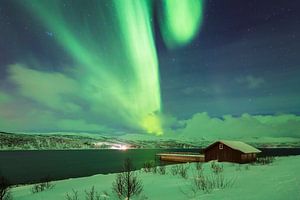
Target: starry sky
192,67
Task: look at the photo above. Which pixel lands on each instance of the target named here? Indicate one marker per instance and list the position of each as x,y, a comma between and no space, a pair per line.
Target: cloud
49,103
251,82
33,119
192,90
202,125
49,89
4,97
78,125
211,89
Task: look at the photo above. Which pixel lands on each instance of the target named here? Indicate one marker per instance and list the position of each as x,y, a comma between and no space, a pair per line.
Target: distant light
123,148
120,147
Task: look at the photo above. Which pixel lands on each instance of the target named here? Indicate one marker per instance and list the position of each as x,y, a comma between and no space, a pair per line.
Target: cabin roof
238,145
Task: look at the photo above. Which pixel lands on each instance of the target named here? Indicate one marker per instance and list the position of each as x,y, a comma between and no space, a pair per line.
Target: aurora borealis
180,21
158,67
116,65
124,85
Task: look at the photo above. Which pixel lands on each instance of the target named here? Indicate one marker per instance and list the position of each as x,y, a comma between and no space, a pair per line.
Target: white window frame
220,146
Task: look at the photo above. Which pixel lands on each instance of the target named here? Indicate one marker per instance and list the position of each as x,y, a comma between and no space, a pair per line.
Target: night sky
198,68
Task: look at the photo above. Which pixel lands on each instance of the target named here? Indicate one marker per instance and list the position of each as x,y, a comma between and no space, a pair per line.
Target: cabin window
220,146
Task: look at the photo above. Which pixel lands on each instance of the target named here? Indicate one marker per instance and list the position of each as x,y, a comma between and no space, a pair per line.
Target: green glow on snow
181,20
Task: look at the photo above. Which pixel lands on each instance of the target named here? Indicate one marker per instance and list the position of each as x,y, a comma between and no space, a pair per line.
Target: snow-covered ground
277,181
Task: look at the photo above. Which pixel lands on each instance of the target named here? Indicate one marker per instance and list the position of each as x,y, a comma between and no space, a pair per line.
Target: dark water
279,151
31,166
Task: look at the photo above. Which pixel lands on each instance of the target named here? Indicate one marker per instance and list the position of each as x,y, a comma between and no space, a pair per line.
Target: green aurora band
114,52
180,21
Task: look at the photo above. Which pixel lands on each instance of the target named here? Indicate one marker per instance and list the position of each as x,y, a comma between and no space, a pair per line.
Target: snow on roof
240,146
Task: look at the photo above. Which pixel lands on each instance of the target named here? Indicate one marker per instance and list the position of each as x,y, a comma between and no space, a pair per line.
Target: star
50,34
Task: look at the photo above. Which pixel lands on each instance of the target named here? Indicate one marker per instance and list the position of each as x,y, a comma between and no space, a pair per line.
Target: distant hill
14,141
62,140
22,141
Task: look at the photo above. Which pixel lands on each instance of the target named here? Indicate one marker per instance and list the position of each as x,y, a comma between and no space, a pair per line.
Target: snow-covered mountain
66,140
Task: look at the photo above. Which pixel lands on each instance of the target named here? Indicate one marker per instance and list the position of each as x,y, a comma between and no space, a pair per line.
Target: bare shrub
238,167
180,169
174,170
148,165
44,185
199,166
183,169
4,189
72,196
154,170
247,167
92,194
265,160
207,183
161,170
216,168
201,182
127,184
104,195
220,182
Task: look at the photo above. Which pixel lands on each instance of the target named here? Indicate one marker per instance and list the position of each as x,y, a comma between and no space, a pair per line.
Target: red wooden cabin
230,151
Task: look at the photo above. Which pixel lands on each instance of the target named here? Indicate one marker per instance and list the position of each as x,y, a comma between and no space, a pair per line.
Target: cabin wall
249,157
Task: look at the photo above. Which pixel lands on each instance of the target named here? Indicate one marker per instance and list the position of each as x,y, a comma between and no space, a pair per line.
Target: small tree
4,189
127,183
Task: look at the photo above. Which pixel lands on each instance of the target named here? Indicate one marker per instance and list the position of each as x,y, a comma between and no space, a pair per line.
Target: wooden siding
181,157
